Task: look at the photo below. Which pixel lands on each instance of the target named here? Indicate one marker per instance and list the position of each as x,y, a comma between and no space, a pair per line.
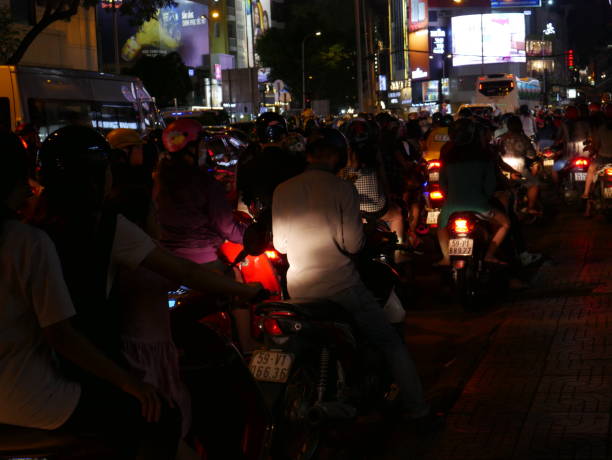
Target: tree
63,10
166,77
329,59
9,37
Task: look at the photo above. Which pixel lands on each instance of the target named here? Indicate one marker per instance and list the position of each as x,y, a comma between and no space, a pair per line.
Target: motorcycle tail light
548,153
436,195
461,226
433,164
273,255
581,162
609,172
272,327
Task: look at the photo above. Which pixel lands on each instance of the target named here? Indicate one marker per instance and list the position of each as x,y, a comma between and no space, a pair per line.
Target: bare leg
443,238
589,180
532,199
501,220
396,221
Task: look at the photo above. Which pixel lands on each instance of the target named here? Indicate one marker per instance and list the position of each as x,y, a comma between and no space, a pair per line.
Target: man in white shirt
316,222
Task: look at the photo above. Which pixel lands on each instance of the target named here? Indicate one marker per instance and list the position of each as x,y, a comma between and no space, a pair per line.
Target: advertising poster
418,43
182,28
515,3
417,14
488,38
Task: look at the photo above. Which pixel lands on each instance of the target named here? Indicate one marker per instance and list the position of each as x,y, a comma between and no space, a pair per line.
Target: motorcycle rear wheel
465,285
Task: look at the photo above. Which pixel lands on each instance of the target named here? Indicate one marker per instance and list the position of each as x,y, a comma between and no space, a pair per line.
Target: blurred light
430,56
461,226
318,34
550,2
272,255
436,195
215,14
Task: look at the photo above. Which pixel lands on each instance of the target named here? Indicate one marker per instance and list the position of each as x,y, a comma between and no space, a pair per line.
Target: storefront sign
438,41
515,3
419,73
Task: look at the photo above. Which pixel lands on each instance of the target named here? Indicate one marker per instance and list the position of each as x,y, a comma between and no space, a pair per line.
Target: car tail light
461,226
433,164
272,327
436,195
581,162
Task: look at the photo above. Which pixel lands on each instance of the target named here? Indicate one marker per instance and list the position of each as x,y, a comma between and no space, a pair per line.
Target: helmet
122,137
594,107
571,113
447,120
359,132
436,118
462,131
271,127
73,154
180,133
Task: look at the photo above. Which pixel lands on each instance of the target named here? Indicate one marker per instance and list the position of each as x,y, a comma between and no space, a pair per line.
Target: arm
195,276
221,214
351,227
77,349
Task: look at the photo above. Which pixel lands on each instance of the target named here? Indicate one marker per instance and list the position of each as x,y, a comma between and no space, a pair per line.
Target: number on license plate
549,163
271,366
580,176
607,192
461,247
434,177
432,217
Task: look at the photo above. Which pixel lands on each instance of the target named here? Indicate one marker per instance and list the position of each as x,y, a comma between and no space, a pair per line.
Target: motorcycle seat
316,309
16,441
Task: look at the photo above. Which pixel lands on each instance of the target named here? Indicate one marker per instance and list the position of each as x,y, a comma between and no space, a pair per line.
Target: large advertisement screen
515,3
488,38
182,28
417,14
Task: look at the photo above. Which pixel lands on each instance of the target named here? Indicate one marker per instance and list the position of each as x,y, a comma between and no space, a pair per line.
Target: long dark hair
13,171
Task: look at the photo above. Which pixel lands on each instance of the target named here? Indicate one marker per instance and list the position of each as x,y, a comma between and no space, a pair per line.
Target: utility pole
359,56
116,37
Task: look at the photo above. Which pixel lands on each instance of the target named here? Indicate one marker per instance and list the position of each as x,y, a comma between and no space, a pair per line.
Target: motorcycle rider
601,148
317,223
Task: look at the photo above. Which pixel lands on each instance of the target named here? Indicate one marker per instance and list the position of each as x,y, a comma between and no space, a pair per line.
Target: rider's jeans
370,319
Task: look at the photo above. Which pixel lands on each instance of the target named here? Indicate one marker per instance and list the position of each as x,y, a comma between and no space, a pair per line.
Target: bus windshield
498,88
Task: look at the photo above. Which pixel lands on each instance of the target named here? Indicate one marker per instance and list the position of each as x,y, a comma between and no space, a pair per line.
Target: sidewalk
544,388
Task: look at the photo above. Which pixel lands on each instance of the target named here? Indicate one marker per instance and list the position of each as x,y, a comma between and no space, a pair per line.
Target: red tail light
581,162
461,226
549,153
272,327
608,171
433,164
436,195
24,143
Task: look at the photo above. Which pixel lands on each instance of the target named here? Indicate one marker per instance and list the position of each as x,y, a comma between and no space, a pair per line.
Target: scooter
574,177
601,195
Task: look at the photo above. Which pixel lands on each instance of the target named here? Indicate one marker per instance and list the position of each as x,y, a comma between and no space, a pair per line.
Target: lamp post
314,34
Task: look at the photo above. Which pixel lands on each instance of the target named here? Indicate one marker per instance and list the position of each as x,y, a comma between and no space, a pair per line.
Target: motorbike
470,236
314,368
601,195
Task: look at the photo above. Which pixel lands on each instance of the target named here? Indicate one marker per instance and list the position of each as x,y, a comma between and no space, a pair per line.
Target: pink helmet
180,133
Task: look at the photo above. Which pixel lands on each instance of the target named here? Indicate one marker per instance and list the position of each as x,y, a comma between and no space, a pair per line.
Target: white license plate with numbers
270,366
461,247
607,192
432,217
549,163
580,176
434,176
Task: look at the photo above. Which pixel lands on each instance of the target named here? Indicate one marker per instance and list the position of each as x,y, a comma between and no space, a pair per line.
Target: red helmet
180,133
571,113
594,107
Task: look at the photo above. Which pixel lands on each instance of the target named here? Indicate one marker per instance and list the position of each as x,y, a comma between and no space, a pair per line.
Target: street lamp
314,34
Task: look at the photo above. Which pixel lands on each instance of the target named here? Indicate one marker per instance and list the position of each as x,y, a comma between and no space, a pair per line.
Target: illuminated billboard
515,3
488,38
182,28
417,14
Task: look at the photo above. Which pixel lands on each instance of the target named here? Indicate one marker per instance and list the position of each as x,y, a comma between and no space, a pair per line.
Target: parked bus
52,98
507,92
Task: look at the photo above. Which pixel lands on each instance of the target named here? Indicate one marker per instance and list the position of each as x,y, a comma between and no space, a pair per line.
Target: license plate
434,176
607,192
461,247
549,163
432,217
270,366
580,176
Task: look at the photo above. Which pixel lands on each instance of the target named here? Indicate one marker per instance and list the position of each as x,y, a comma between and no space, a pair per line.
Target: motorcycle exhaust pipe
330,411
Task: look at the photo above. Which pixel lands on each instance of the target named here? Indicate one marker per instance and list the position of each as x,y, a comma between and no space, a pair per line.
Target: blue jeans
370,319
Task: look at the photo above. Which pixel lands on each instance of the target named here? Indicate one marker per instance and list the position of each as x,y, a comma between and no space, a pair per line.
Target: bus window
496,88
116,116
5,113
51,115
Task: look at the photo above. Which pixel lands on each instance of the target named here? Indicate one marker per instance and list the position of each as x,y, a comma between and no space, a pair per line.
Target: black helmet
447,120
437,118
359,133
271,127
73,156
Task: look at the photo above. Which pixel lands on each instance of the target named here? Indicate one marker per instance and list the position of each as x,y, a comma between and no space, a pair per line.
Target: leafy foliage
329,59
165,77
9,36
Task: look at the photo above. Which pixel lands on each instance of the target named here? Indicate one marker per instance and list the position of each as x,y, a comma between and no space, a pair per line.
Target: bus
52,98
507,92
